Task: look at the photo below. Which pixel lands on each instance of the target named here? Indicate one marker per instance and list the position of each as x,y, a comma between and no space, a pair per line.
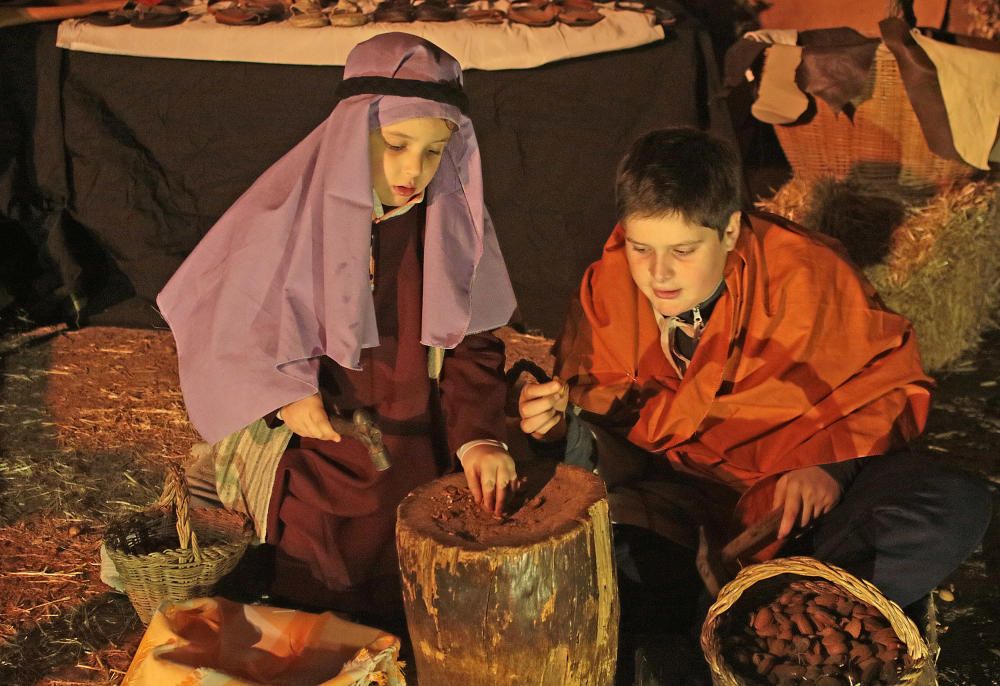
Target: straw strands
87,420
940,266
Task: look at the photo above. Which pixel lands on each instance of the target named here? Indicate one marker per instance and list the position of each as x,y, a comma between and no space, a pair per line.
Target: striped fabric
245,464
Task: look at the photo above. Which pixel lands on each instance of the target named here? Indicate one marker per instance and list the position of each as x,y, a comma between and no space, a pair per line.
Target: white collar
378,210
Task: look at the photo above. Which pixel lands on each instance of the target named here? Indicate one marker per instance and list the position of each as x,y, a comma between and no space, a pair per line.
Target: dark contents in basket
144,533
813,633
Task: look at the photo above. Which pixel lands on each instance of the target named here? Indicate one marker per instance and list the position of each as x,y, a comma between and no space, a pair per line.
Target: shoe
579,17
530,15
661,16
346,13
111,18
307,14
156,16
435,10
247,12
394,11
484,16
664,17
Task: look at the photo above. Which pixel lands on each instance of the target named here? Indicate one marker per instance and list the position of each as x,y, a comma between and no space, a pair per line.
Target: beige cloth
970,87
774,36
669,326
779,99
475,46
216,642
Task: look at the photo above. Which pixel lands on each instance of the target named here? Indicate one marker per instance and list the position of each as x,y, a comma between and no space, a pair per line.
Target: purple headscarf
282,278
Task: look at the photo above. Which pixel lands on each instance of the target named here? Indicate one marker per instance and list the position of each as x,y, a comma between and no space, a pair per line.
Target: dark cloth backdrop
135,158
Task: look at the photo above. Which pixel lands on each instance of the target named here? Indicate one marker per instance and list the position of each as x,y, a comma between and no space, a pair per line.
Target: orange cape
798,365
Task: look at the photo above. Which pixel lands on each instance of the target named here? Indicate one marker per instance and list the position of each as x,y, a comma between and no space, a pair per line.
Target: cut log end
553,500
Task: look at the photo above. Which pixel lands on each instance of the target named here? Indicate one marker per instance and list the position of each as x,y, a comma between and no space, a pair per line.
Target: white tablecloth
475,46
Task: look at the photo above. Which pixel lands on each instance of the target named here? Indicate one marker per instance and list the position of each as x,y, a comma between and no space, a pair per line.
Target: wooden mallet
717,566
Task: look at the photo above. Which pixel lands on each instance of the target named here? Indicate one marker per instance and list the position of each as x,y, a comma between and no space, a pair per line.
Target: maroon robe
332,515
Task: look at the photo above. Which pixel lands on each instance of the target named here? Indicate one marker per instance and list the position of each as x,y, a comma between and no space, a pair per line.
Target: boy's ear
732,232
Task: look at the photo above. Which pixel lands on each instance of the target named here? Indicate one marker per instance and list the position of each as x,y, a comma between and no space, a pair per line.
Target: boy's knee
956,499
970,502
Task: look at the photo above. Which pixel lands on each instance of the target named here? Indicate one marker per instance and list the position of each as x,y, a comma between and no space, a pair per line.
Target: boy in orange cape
721,366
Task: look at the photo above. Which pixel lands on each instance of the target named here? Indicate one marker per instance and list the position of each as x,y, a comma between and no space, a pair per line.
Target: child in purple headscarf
358,267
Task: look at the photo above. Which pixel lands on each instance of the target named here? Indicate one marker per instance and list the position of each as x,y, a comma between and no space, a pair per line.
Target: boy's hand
542,407
308,418
804,494
491,475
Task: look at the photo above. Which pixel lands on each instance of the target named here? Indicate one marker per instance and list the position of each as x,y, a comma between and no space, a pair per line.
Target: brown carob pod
870,669
845,607
763,619
827,600
777,647
860,651
801,645
821,618
814,658
803,624
763,662
789,672
838,660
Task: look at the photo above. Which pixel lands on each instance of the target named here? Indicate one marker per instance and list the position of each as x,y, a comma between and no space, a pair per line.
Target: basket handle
176,495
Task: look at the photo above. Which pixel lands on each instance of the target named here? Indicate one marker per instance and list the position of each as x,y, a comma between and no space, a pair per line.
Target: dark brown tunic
332,516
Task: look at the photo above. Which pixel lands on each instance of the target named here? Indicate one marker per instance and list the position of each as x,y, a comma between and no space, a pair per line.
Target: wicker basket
142,546
883,144
759,579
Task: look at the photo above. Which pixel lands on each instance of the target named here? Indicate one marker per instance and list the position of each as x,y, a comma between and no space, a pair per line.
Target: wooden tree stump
530,599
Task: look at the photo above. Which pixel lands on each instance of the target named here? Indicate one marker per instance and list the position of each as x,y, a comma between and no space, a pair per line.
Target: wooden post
531,599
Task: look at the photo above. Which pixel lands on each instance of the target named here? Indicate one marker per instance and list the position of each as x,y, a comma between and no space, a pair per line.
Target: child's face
677,264
405,156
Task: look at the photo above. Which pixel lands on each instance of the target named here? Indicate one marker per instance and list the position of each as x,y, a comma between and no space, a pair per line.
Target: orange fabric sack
216,642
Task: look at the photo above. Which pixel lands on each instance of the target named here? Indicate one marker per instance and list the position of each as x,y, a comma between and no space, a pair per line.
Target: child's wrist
466,447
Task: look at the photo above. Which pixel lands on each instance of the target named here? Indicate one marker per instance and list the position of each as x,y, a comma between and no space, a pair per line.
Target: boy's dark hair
682,171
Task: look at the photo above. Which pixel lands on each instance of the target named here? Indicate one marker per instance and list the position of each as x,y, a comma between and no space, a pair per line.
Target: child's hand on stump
308,418
491,475
804,494
542,407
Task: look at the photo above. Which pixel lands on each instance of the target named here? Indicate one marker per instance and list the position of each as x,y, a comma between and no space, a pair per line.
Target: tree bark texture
533,605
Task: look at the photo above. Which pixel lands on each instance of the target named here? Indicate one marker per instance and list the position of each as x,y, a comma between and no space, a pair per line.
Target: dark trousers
905,523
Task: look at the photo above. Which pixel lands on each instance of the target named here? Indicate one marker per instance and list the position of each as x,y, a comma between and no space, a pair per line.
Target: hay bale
940,254
984,18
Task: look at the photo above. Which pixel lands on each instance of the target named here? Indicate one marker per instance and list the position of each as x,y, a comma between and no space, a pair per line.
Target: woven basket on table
211,543
883,143
755,578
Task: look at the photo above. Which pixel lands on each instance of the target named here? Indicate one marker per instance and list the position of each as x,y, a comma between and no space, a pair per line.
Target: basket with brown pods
798,621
